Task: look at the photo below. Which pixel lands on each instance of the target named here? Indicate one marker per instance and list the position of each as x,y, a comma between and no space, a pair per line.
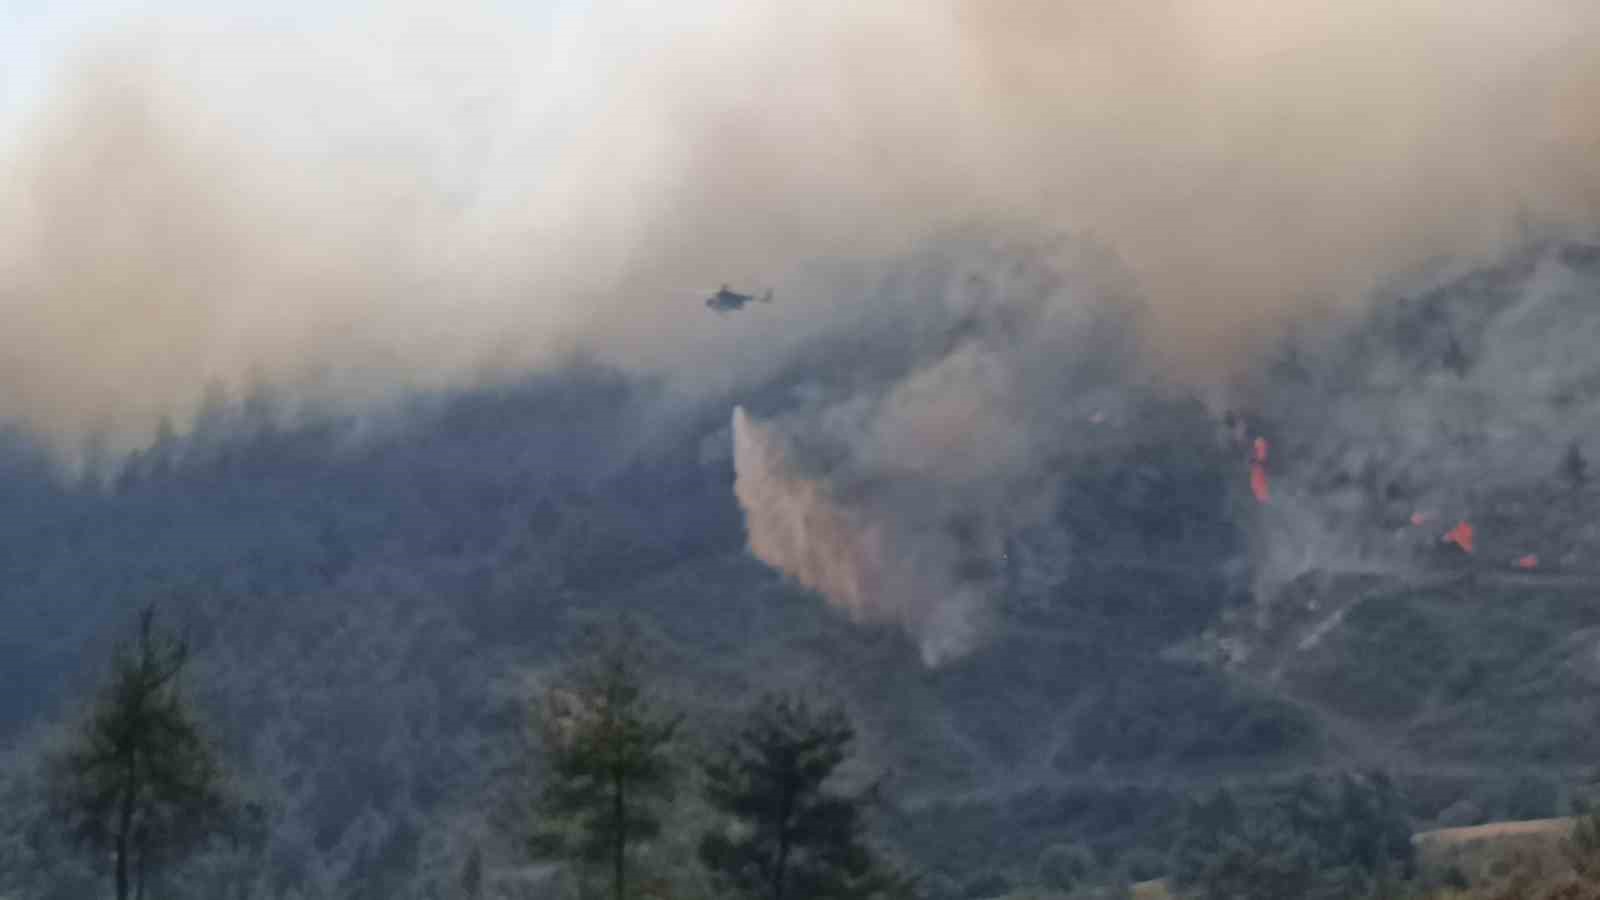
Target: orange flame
1258,471
1462,536
1258,483
1530,561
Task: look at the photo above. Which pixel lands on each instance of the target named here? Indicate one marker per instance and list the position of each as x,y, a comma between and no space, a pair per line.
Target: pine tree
1574,466
472,875
140,780
608,762
793,837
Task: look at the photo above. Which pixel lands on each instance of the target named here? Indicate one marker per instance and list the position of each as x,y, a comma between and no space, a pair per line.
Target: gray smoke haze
430,196
893,495
1460,403
796,526
423,197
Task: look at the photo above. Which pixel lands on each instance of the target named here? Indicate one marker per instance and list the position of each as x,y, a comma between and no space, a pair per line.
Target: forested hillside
373,602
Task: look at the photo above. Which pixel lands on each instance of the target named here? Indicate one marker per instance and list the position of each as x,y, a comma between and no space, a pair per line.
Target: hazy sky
38,37
420,192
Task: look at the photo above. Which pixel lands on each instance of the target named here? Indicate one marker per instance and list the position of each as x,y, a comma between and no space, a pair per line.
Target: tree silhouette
607,761
140,780
1574,466
793,838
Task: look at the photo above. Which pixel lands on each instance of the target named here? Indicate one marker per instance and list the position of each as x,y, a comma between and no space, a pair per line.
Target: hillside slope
372,600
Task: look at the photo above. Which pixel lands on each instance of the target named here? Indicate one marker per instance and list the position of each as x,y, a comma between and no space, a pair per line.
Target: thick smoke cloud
423,198
1462,401
434,197
852,556
894,493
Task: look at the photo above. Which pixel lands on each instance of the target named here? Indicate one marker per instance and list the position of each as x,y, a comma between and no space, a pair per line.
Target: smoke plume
419,198
428,197
893,493
849,555
1473,400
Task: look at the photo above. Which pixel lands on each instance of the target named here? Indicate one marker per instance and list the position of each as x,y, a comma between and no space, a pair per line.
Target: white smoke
895,496
1458,402
441,195
856,557
423,193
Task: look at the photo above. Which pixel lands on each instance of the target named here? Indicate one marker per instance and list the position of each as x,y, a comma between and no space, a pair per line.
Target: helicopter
725,300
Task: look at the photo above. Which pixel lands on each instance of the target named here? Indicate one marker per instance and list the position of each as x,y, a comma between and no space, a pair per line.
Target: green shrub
1063,867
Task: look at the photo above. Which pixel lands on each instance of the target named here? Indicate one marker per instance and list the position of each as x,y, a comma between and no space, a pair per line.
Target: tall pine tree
793,838
140,781
608,762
